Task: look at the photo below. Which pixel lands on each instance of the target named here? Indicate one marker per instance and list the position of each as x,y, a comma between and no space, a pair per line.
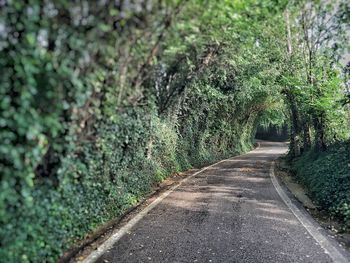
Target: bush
326,175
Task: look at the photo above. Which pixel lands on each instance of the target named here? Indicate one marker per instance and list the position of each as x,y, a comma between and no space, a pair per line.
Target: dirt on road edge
331,224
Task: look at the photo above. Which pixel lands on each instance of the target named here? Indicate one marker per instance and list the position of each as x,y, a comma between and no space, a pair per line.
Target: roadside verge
331,247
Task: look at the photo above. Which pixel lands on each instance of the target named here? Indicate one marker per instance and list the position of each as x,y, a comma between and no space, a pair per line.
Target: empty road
230,212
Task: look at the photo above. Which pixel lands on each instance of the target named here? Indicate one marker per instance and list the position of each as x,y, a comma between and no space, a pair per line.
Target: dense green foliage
326,176
316,91
313,80
100,100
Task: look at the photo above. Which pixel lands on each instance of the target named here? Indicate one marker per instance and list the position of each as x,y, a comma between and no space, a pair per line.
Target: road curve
230,212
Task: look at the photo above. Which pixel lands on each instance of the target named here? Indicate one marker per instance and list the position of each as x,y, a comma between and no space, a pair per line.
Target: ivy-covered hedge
102,99
102,179
326,175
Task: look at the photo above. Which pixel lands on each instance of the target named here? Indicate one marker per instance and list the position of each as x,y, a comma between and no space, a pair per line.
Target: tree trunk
306,136
295,127
320,140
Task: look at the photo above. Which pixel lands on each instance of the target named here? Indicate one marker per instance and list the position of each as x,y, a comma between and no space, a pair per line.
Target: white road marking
311,227
126,228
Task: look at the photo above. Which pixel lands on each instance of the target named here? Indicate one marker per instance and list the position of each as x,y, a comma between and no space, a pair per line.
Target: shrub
326,175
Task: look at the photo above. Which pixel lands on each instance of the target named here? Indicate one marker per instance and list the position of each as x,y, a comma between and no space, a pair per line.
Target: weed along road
232,211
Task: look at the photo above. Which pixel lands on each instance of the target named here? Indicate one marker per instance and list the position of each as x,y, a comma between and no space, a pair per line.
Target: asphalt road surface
230,212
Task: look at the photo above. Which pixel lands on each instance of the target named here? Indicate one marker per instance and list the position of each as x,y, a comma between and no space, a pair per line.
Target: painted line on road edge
321,239
126,228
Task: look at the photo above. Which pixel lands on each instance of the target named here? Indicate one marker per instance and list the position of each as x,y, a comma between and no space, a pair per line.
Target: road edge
309,223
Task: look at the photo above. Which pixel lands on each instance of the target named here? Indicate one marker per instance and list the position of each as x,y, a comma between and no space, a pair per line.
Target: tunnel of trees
100,100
